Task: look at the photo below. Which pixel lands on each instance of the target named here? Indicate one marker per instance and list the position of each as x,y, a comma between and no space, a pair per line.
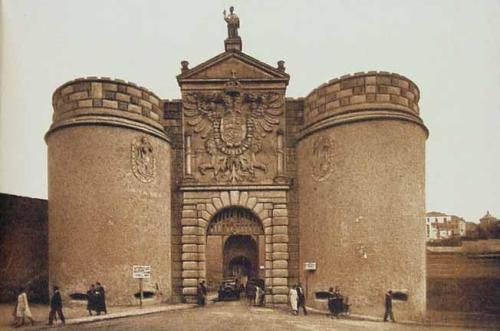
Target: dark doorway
240,257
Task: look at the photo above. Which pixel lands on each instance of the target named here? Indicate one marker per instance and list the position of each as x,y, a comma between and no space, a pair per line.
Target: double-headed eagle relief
233,125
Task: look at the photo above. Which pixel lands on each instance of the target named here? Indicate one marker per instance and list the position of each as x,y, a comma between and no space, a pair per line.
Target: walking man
301,299
388,306
56,307
100,298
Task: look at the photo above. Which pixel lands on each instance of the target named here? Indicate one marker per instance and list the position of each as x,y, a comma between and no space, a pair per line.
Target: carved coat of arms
233,125
322,158
143,159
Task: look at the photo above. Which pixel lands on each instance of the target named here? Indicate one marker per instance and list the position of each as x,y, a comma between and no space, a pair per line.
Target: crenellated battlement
362,91
105,93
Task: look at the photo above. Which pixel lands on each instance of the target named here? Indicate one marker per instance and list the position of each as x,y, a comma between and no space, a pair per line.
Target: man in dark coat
91,305
201,293
388,306
301,302
100,299
56,307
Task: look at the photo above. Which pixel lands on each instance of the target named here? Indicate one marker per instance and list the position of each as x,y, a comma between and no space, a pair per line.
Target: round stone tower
109,168
361,176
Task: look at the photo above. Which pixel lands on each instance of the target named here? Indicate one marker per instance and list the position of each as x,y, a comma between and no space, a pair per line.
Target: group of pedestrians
297,299
337,303
96,299
255,293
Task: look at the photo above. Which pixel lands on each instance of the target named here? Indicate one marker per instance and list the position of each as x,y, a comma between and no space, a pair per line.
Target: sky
450,49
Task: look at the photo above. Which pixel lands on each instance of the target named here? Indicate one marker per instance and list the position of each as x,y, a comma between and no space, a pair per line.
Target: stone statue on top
233,23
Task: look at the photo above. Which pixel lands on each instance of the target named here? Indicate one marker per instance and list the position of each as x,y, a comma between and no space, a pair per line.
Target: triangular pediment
224,65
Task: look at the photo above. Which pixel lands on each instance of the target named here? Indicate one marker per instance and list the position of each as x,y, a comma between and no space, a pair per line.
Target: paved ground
237,316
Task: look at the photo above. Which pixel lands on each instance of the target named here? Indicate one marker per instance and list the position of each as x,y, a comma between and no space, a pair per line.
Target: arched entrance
240,257
235,246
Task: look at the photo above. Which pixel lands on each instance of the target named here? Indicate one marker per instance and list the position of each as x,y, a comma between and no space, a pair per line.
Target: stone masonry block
234,197
110,104
280,247
217,203
268,230
135,92
243,198
280,221
78,96
279,273
192,239
383,97
203,224
190,273
263,214
192,230
190,257
251,202
280,264
280,282
258,208
134,109
85,103
189,265
224,196
190,291
269,239
280,290
280,212
189,214
267,222
190,282
205,215
280,229
269,248
280,238
211,208
280,256
96,90
189,248
122,97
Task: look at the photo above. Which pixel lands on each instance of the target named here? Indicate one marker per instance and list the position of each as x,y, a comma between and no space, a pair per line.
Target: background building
442,226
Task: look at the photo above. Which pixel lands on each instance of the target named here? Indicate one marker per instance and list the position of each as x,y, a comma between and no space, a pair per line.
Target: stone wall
109,189
172,123
376,90
294,122
23,247
463,281
361,176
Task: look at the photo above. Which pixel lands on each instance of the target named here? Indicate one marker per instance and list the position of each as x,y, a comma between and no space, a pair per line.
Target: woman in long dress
23,311
293,299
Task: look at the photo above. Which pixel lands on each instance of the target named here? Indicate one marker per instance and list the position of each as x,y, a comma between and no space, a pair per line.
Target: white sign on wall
310,266
141,271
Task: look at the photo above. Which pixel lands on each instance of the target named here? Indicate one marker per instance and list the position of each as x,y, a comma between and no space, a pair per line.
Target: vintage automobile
228,290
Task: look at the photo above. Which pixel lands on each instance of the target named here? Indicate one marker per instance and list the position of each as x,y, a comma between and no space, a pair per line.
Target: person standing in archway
301,299
201,293
293,299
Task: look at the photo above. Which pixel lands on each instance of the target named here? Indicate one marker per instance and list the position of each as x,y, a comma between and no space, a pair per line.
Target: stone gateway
235,180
